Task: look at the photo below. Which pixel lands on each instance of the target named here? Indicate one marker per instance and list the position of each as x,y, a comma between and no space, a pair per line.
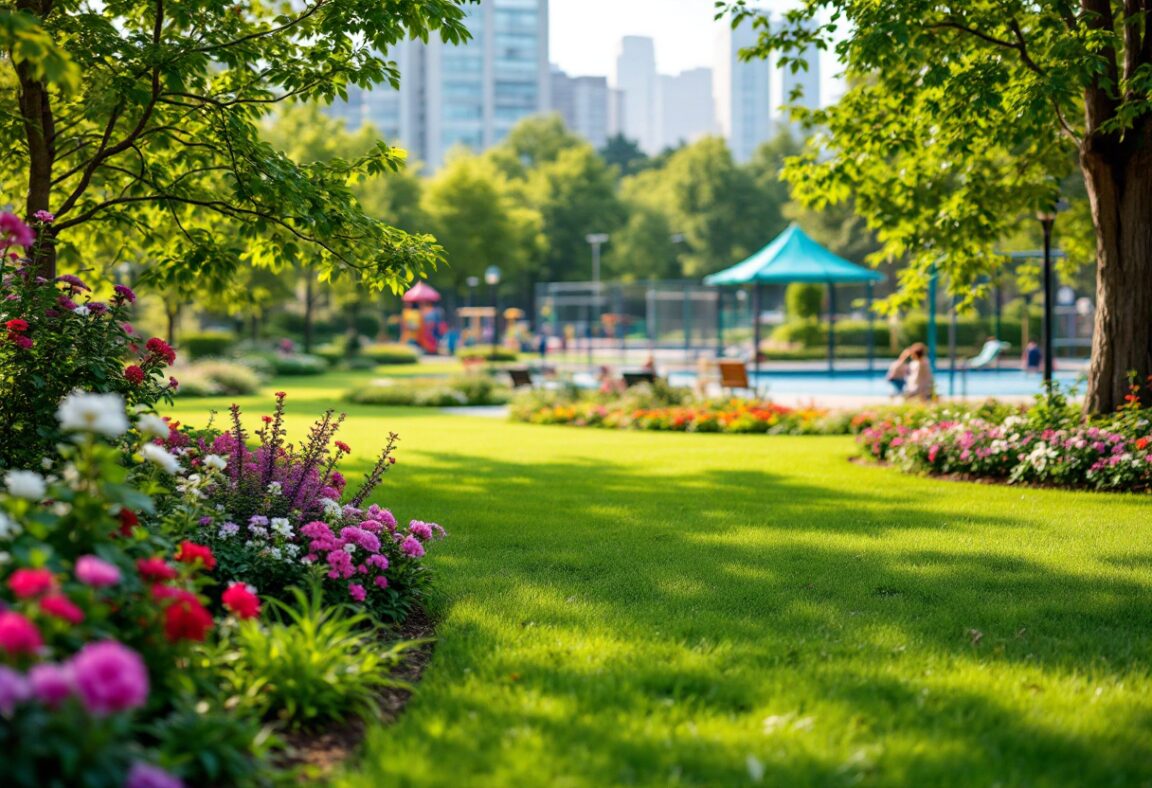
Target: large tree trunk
40,132
1119,179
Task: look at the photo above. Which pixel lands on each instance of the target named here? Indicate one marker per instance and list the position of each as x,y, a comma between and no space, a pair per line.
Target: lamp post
473,282
492,277
1047,220
595,240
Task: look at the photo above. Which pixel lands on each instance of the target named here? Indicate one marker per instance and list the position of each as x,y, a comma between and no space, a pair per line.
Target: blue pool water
984,383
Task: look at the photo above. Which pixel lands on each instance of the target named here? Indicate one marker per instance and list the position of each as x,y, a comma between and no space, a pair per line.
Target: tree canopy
164,126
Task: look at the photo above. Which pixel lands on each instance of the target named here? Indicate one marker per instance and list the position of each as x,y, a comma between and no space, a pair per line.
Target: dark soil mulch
318,753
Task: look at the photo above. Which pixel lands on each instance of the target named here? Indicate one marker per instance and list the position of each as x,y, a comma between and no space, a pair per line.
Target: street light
473,282
492,277
595,240
1047,220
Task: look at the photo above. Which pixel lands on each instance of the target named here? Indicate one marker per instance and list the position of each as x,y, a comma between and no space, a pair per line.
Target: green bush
298,364
433,393
391,353
484,352
805,333
208,344
312,664
332,352
804,300
217,378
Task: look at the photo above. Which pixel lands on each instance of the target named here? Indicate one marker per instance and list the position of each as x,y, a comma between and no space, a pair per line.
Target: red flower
27,583
161,349
344,447
1142,443
22,341
155,570
190,553
186,619
17,325
134,374
128,521
18,635
62,607
241,601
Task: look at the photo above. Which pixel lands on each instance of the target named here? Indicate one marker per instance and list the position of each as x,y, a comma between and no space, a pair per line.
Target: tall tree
167,115
959,122
624,154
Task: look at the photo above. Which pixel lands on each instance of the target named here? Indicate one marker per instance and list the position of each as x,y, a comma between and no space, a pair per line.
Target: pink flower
59,606
110,678
14,689
96,572
14,231
51,684
27,583
381,581
421,530
411,547
18,635
124,294
145,775
44,216
357,592
73,282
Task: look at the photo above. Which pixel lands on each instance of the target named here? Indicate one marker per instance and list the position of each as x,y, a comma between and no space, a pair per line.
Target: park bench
520,377
636,378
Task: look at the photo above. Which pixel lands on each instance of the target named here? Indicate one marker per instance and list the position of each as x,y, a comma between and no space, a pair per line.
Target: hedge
207,344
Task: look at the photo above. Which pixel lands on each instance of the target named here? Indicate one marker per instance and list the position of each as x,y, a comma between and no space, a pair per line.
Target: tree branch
264,33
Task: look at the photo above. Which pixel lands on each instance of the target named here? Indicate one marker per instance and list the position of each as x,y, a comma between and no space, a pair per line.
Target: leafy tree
470,206
532,143
575,195
168,113
961,121
643,247
624,154
805,300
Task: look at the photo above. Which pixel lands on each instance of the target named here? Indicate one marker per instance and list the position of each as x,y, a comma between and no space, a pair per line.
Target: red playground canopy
421,293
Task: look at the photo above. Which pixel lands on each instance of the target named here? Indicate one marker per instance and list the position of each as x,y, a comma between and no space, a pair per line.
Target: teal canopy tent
794,257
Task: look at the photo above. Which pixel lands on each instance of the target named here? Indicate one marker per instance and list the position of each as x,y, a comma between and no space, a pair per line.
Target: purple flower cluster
106,677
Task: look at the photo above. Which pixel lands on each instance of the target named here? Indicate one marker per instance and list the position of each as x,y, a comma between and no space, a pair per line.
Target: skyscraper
584,103
687,109
744,101
636,79
470,94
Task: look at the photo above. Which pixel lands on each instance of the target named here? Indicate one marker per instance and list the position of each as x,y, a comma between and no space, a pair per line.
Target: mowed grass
666,609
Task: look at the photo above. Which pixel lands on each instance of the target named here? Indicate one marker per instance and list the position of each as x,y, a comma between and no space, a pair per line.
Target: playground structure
422,320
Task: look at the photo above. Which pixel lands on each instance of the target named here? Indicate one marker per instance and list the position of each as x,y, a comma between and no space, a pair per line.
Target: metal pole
932,318
871,331
686,317
756,334
952,352
495,320
650,318
719,322
831,328
1048,365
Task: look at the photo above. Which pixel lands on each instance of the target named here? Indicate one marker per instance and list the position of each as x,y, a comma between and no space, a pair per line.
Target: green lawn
630,608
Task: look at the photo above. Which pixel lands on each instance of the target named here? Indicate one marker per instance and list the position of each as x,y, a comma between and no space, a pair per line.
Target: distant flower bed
469,390
667,410
1046,444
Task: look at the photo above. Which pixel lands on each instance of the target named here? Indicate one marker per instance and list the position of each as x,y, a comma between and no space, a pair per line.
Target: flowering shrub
645,409
57,338
281,514
1046,444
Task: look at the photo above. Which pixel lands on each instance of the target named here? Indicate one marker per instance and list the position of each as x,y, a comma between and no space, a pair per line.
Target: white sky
585,35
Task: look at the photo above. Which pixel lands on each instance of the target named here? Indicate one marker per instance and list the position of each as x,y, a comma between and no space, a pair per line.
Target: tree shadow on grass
730,592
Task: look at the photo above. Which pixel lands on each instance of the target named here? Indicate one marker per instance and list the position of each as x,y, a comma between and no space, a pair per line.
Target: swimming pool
853,383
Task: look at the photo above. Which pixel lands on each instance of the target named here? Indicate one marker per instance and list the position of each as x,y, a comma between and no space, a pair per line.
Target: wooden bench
734,375
521,377
636,378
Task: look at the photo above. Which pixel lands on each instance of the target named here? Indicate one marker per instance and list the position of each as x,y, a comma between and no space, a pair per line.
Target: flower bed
1047,444
662,409
465,390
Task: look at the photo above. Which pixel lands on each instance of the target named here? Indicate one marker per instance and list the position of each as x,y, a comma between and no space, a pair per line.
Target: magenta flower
110,678
96,572
421,530
14,231
73,282
18,635
51,684
357,592
412,548
145,775
14,689
126,295
44,216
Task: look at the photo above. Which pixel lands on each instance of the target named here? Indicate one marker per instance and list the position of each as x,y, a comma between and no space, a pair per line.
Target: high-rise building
636,79
687,109
584,103
470,94
744,100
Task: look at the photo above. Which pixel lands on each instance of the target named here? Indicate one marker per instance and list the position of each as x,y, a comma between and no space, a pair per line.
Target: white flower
100,413
5,557
281,526
9,528
152,425
46,463
159,456
61,508
350,548
292,549
82,310
215,462
331,508
275,488
275,554
228,529
25,484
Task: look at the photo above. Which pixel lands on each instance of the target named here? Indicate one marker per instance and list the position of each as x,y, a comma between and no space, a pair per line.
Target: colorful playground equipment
421,321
